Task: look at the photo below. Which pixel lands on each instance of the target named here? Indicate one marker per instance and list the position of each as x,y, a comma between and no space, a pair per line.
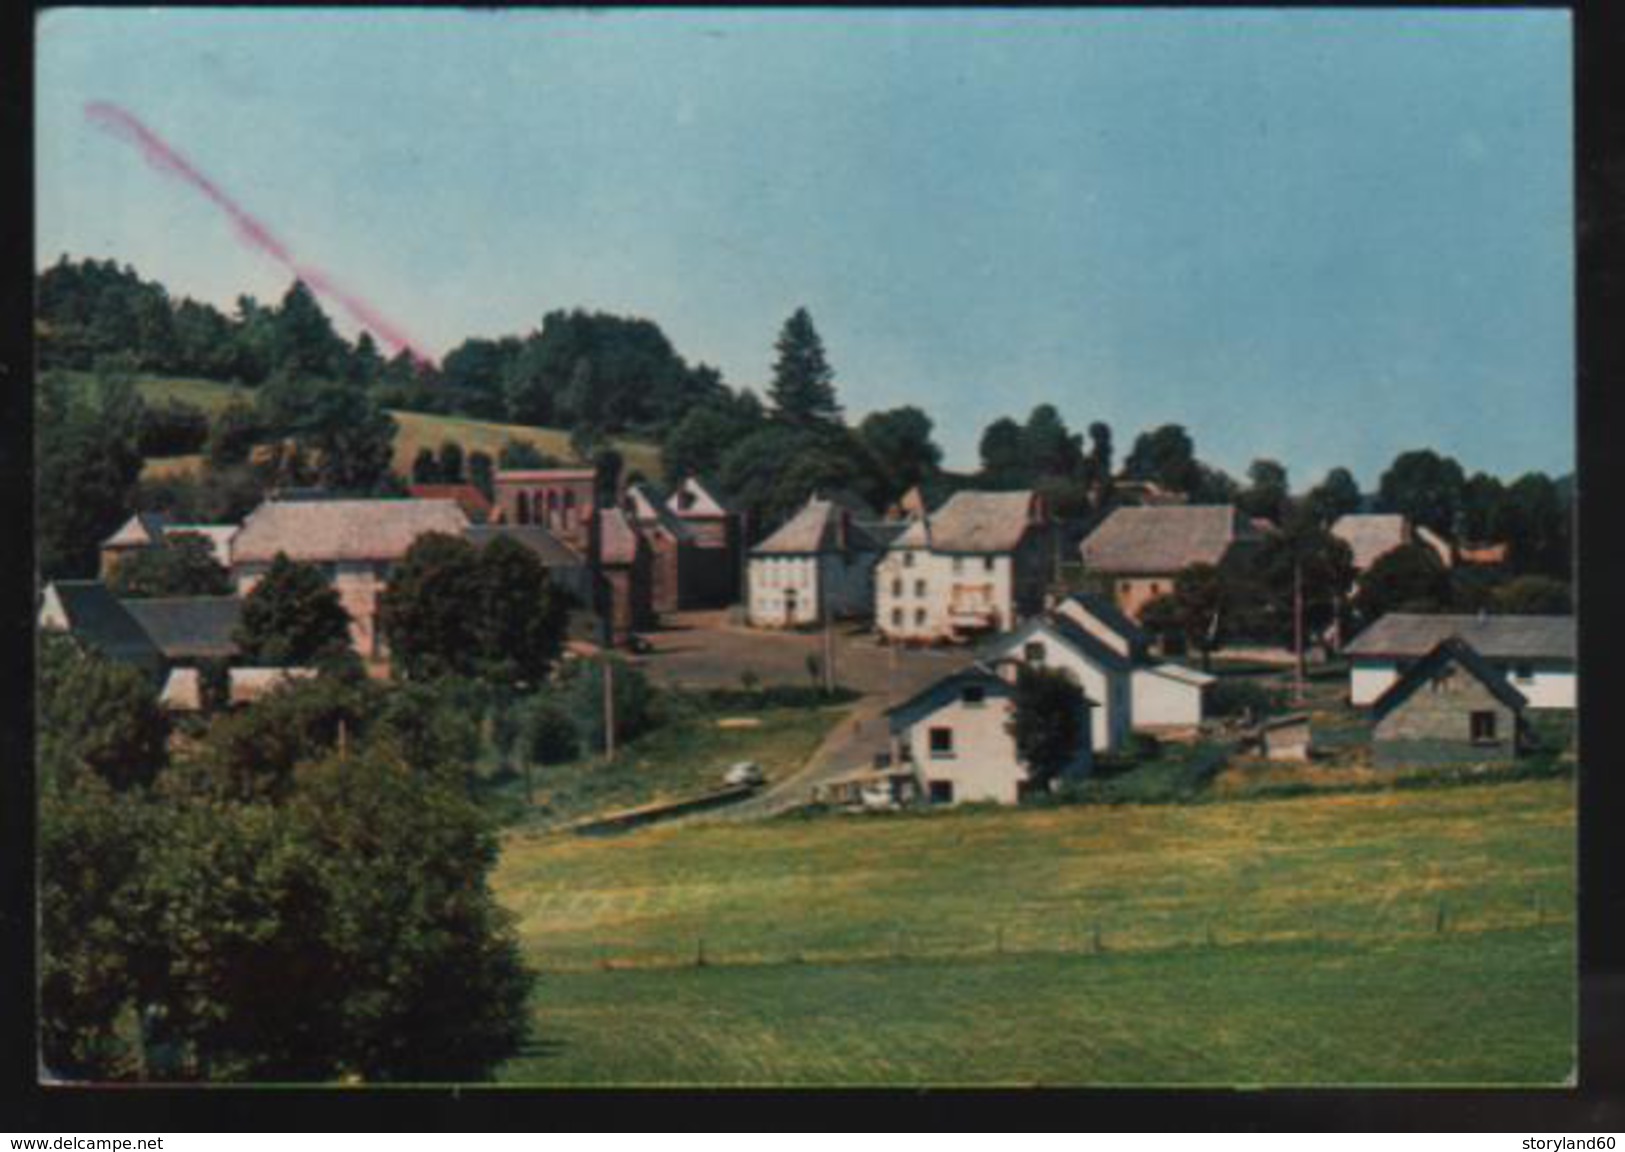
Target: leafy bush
172,428
1234,697
550,735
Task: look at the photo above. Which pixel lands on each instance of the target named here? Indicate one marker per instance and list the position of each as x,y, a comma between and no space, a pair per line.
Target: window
942,791
1156,589
908,559
524,508
919,616
1483,727
896,617
973,696
1523,673
897,587
919,588
987,563
959,565
1034,652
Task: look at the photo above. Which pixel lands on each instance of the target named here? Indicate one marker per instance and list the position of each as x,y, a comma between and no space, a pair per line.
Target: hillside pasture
417,430
1395,937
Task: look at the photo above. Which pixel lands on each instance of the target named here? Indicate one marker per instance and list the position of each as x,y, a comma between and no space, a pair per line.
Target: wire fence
1082,935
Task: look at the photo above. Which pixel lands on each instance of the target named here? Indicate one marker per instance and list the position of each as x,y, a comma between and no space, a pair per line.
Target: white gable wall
1112,717
785,590
1549,685
1162,701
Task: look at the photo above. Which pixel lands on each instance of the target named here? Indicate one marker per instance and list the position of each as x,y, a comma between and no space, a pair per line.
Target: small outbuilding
1451,707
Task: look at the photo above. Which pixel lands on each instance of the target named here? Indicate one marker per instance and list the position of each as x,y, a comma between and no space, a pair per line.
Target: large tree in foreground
1050,723
292,617
803,388
183,565
454,610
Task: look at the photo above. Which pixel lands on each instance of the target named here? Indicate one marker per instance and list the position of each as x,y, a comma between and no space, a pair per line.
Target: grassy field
1420,936
417,430
675,760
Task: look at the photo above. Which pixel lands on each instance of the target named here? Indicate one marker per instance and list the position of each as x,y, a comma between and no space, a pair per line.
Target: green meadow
1404,937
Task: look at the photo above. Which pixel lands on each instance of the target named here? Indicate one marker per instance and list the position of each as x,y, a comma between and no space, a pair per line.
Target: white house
1535,654
819,564
978,564
955,734
1163,695
1105,675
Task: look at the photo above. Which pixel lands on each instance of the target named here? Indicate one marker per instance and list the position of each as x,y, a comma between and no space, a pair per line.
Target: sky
1319,237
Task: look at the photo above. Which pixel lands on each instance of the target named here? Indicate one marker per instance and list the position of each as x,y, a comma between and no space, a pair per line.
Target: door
789,605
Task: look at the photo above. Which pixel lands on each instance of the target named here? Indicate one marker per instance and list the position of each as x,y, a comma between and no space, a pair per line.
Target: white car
744,772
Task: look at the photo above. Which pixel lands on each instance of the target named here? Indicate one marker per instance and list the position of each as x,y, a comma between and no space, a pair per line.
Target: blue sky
1320,237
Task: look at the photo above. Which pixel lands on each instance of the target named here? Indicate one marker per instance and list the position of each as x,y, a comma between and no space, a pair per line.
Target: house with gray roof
1452,706
717,533
977,565
89,613
1534,654
1140,551
146,530
818,566
189,629
1105,675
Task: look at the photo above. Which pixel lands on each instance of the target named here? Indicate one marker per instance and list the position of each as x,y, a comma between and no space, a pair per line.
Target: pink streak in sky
122,124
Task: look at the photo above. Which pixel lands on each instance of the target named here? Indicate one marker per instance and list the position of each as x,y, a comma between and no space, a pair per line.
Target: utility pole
1297,628
609,707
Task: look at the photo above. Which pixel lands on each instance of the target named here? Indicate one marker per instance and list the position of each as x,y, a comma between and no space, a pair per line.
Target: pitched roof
1183,674
971,674
331,530
469,498
974,521
1069,632
1112,617
1411,634
1370,535
189,627
94,616
694,499
553,552
817,528
648,510
1451,650
138,531
1163,538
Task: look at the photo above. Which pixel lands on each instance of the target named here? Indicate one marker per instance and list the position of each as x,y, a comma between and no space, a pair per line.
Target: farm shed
1452,707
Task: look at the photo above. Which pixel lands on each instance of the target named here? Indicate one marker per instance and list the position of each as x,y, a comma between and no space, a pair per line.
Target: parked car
744,772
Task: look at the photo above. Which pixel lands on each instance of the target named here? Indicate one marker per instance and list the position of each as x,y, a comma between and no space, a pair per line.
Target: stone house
626,567
1140,551
355,544
819,565
1451,707
955,735
1534,654
562,500
675,561
717,532
977,565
